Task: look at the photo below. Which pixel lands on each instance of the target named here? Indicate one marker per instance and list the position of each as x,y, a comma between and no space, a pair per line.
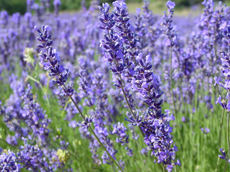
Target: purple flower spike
131,67
224,156
57,4
49,59
225,60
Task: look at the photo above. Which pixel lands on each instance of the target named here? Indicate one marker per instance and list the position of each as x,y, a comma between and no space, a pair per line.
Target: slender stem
181,93
40,85
227,143
174,105
7,143
113,168
75,104
170,56
136,164
219,142
215,52
225,166
221,124
105,149
126,99
180,82
171,86
228,136
93,131
64,108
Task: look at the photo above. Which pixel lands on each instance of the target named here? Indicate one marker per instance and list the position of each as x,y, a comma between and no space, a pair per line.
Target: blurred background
12,6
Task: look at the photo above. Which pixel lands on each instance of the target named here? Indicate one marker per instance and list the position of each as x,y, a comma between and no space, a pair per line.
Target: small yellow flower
29,55
63,155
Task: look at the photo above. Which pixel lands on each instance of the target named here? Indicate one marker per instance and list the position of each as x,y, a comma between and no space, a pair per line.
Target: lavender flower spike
50,60
225,59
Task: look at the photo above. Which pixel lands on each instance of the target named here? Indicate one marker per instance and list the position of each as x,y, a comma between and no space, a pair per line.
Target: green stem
180,83
215,52
7,143
75,104
62,113
40,85
113,168
228,136
136,164
105,149
225,166
219,142
171,87
126,99
221,124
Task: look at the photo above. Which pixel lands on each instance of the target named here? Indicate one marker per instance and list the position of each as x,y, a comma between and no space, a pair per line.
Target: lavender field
105,90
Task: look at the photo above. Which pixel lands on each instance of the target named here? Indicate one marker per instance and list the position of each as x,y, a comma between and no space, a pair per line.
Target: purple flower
23,114
105,8
57,2
136,70
119,130
138,11
224,155
225,59
4,18
51,61
8,162
170,5
206,130
106,19
120,5
32,157
183,119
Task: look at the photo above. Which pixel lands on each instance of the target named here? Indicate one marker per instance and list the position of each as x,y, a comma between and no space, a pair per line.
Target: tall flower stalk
119,61
225,59
51,62
170,42
137,70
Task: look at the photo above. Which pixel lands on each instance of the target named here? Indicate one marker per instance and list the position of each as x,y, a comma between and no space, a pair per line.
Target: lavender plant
144,81
225,69
50,61
102,101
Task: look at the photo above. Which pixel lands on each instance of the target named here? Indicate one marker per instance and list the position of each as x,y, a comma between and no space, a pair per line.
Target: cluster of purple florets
111,72
28,121
132,69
